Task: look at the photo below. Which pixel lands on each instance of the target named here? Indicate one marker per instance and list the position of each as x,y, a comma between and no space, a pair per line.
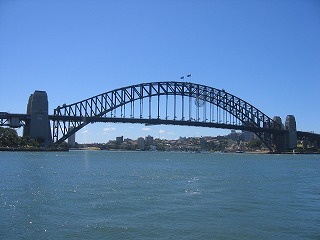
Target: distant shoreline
17,149
226,152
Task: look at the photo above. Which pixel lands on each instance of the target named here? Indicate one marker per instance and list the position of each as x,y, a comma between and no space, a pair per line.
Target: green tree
33,143
255,144
8,137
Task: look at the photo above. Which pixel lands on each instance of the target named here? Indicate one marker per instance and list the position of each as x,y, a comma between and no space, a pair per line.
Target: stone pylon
291,136
38,127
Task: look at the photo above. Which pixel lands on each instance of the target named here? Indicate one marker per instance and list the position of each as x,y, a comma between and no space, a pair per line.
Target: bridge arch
177,103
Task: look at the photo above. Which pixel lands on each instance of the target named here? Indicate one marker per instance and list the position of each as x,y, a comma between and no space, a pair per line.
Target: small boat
239,151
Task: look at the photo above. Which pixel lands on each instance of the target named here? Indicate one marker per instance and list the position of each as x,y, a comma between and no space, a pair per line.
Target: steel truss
178,103
13,120
310,137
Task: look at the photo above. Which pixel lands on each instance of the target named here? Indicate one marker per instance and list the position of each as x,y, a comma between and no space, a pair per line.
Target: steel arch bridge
174,103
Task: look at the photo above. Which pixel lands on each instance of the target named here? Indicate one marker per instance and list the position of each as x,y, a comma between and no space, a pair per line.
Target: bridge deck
163,122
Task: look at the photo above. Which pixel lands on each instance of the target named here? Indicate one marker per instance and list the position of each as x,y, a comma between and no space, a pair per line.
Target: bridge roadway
17,120
14,120
155,121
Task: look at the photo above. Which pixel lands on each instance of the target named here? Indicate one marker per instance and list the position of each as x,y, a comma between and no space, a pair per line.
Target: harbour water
158,195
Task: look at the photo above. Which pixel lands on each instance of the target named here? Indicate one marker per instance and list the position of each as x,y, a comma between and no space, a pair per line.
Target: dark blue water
154,195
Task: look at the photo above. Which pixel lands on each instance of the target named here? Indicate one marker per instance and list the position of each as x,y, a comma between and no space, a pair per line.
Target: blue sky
265,52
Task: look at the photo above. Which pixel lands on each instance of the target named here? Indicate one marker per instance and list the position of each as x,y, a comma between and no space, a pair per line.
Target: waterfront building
119,139
141,143
149,140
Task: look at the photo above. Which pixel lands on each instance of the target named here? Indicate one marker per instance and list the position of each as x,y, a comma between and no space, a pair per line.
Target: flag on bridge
189,75
182,77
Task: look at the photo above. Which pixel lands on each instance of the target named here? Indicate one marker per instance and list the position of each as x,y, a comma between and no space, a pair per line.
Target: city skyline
266,53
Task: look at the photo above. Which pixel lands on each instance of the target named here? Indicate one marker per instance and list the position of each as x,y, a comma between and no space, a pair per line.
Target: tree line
9,138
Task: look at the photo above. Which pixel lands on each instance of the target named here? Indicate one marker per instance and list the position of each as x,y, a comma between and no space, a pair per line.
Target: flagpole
189,76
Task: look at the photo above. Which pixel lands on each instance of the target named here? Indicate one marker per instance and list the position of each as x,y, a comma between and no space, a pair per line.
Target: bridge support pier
279,139
287,141
291,135
38,127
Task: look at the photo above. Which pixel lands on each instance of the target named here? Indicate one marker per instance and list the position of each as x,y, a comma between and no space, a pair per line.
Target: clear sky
265,52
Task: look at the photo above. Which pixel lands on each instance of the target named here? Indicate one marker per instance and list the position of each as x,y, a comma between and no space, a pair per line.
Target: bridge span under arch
174,103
